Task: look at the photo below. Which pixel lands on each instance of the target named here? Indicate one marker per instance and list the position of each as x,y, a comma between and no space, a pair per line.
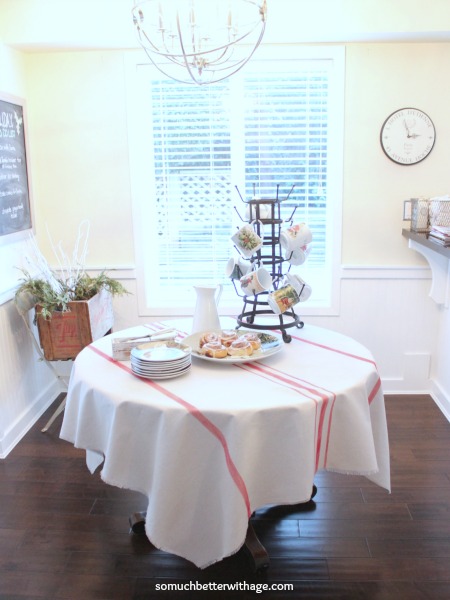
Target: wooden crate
64,335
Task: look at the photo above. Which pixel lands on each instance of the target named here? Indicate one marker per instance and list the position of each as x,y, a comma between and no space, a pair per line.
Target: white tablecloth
212,446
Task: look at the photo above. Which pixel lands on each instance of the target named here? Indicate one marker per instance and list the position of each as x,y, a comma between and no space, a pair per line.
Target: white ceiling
42,25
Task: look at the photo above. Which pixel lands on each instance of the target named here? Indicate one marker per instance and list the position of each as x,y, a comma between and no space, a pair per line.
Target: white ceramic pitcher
206,317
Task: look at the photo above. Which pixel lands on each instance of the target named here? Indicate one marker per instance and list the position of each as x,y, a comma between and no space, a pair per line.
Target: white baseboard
441,398
398,386
28,418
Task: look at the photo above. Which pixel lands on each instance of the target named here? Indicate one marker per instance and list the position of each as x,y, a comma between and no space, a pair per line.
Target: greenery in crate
52,291
51,299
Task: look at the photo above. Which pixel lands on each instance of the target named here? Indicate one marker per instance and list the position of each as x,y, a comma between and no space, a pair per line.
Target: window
274,128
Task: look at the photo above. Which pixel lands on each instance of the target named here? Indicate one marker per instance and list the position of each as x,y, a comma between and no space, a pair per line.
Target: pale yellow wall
380,79
78,134
13,84
77,113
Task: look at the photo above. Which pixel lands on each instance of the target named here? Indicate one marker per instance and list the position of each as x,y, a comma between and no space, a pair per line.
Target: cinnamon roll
240,347
209,336
254,340
228,336
214,350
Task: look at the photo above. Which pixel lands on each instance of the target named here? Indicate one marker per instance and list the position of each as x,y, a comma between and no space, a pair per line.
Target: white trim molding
384,272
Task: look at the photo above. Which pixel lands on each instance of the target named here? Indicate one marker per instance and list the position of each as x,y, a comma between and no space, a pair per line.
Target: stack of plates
160,360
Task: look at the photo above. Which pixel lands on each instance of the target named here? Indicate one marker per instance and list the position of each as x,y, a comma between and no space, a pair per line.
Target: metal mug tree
268,227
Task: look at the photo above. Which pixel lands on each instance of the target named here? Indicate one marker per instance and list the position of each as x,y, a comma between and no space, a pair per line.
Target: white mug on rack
298,256
247,241
237,267
283,299
296,236
252,211
256,282
302,288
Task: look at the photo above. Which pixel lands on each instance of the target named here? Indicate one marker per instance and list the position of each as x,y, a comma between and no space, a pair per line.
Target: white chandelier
199,41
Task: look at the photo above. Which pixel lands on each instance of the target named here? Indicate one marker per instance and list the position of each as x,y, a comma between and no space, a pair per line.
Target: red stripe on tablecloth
377,386
298,385
375,390
262,371
197,414
325,347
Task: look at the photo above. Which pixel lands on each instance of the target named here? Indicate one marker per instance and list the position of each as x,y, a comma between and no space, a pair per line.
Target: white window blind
192,158
269,128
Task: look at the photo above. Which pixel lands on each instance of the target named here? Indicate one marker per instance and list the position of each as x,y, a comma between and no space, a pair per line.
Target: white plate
165,376
160,371
161,364
267,349
160,351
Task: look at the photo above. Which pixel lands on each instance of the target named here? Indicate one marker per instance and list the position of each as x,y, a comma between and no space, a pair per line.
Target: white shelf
438,257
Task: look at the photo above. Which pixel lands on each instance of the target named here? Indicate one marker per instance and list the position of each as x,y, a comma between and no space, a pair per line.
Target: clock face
407,136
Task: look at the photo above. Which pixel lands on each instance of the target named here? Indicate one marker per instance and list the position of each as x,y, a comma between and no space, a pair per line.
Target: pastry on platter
229,342
209,336
228,336
240,347
253,338
214,350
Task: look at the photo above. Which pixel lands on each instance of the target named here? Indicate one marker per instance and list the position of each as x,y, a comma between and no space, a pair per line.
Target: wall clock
407,136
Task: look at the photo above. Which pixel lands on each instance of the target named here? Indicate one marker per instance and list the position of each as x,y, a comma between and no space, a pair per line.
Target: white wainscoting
27,385
386,309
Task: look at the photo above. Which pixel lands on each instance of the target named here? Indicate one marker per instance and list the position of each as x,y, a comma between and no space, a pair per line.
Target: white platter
267,349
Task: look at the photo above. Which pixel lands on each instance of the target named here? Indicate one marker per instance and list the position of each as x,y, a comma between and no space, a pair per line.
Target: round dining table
210,447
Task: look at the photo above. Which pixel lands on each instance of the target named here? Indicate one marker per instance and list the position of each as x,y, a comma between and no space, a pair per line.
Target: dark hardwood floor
65,534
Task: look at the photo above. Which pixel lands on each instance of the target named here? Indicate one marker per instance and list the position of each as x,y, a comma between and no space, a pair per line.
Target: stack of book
440,234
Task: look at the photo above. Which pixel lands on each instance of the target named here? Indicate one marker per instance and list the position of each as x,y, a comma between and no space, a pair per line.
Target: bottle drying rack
270,256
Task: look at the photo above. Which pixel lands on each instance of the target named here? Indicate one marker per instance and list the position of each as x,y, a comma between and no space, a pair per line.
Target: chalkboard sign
15,213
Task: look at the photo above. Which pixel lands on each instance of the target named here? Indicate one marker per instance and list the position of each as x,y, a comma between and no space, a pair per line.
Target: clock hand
407,128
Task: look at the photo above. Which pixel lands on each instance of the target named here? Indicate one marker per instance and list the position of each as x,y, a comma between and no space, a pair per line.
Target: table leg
258,554
137,522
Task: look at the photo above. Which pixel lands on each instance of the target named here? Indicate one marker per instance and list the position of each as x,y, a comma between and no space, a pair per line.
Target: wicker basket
439,212
419,214
426,213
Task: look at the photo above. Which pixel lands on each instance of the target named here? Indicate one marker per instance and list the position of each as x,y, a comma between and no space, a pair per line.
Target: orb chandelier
199,41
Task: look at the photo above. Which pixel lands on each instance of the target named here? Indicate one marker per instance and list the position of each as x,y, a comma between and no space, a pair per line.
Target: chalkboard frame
27,226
